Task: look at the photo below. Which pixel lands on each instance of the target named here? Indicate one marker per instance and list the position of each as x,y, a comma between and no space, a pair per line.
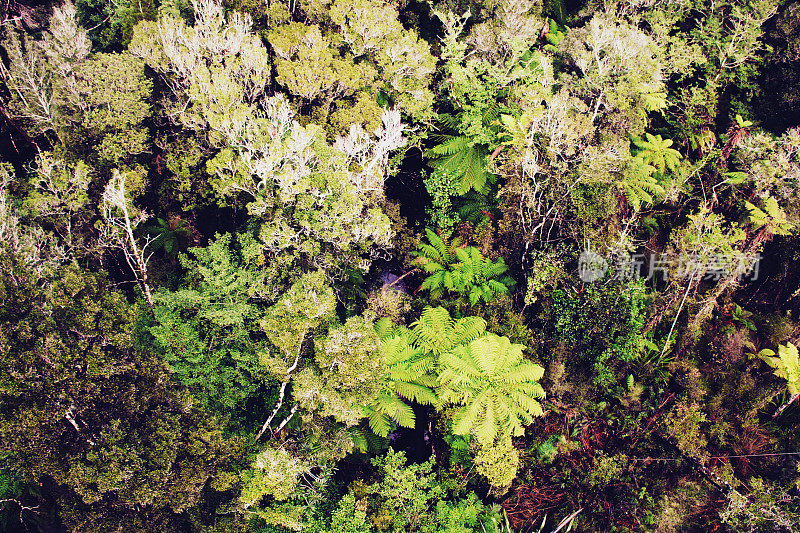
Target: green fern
409,377
786,365
462,151
654,101
474,207
436,332
438,250
656,151
497,389
461,270
771,218
640,185
460,156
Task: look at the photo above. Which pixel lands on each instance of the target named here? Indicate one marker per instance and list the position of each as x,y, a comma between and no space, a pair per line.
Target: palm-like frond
475,207
408,377
640,185
496,387
656,151
458,155
771,217
436,332
461,270
787,366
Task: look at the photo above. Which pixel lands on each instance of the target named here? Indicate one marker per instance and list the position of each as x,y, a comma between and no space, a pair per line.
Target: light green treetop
496,388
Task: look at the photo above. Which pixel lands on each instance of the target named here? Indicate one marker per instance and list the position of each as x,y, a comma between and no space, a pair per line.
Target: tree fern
640,185
463,150
771,218
656,151
436,332
457,154
461,270
786,365
474,207
438,250
408,377
497,389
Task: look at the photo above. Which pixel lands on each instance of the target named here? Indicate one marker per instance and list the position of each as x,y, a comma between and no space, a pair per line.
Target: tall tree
88,415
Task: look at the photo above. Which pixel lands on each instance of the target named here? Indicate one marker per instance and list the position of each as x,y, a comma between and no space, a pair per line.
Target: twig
282,395
392,284
678,314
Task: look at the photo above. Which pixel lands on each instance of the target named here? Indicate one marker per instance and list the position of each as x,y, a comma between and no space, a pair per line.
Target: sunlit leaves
496,389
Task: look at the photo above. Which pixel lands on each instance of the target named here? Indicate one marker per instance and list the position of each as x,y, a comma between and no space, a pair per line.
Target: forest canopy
353,266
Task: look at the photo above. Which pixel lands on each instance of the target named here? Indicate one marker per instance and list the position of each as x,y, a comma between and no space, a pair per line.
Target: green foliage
438,250
547,451
60,196
109,101
771,219
442,186
170,235
307,305
230,402
463,271
408,497
410,357
94,414
274,473
461,157
497,391
436,332
606,470
640,185
408,376
349,376
786,365
207,331
766,508
498,462
740,317
683,424
656,152
363,50
616,309
112,23
554,36
477,208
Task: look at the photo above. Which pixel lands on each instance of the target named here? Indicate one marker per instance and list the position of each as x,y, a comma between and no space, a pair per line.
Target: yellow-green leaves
498,462
771,219
404,63
306,305
274,473
495,388
640,186
407,375
786,365
350,373
655,151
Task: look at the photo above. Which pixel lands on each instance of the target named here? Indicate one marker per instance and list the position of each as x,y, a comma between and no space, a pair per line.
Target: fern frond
416,393
452,146
468,328
384,328
379,422
450,122
487,430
